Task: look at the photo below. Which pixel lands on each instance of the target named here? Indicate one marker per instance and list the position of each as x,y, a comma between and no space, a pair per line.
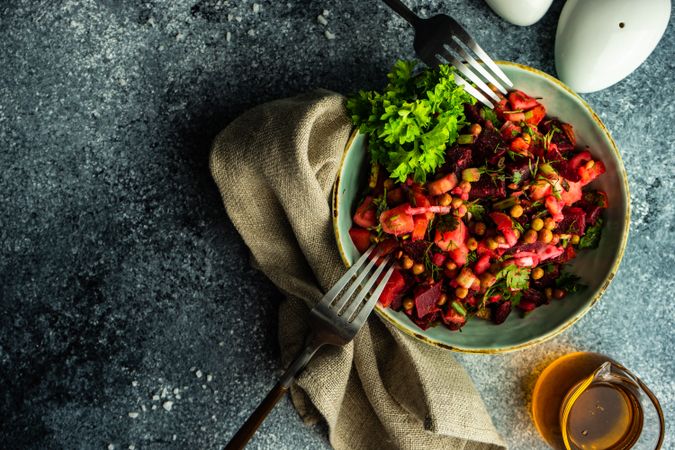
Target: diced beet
472,114
471,301
458,158
501,106
534,296
560,138
551,274
565,170
526,306
485,145
569,254
521,167
593,214
553,153
395,196
415,250
426,298
393,289
574,221
385,247
500,311
488,186
598,198
593,202
452,319
426,321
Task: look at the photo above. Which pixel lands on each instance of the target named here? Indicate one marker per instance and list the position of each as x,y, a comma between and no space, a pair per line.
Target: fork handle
251,425
403,11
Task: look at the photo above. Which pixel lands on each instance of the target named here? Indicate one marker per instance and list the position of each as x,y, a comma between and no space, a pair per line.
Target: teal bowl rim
556,331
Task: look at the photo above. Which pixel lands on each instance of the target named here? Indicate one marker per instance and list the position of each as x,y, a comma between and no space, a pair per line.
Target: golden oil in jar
574,410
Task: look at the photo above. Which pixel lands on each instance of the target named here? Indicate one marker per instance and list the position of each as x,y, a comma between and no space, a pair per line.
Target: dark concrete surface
129,317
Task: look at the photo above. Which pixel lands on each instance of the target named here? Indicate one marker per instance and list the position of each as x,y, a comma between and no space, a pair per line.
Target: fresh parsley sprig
413,120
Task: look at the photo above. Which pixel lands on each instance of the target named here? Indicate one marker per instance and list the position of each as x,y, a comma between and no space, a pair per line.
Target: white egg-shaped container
520,12
600,42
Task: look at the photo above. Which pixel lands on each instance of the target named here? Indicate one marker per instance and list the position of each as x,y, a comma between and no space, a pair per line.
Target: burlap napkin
275,167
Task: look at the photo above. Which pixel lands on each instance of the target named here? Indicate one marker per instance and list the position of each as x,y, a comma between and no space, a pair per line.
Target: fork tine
328,298
467,40
475,64
370,304
473,91
345,296
365,290
461,81
469,74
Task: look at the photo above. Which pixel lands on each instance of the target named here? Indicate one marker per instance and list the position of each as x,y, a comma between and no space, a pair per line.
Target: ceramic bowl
595,267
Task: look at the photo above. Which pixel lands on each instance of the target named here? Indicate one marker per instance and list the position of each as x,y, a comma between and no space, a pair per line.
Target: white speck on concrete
256,8
134,383
133,414
330,36
111,447
325,13
251,32
155,398
228,36
199,374
209,378
167,405
322,20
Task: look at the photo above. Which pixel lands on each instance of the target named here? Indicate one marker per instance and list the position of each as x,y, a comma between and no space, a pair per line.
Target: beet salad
482,208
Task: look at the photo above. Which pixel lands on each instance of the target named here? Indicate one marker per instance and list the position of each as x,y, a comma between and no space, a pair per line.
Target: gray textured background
121,277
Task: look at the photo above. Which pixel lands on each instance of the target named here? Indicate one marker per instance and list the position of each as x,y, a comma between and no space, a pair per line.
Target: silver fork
335,320
440,38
